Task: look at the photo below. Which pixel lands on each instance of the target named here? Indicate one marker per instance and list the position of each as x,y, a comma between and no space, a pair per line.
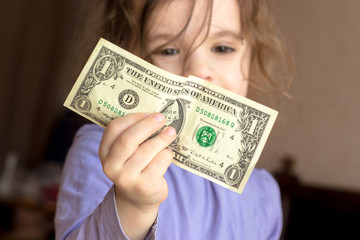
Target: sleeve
271,207
86,207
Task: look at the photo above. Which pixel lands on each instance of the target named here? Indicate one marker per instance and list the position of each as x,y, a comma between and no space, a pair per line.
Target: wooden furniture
313,212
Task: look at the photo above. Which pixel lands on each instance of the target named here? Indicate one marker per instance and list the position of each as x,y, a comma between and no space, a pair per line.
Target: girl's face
222,57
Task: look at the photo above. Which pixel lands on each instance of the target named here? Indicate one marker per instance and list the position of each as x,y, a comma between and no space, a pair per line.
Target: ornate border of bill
220,135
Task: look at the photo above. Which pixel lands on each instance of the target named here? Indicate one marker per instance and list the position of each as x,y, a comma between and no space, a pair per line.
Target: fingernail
170,131
159,117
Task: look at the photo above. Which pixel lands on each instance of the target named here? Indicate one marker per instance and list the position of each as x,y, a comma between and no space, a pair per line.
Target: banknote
220,135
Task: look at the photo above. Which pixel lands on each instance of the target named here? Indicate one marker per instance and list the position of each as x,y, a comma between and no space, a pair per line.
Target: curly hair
125,24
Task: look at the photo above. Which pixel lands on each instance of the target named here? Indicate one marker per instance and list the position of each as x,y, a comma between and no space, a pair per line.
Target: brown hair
124,27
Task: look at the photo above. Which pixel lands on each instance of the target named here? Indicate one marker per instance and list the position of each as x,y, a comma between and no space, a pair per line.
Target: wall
323,135
38,67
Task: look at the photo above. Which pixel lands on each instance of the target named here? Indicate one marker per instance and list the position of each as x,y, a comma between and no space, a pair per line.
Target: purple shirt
194,209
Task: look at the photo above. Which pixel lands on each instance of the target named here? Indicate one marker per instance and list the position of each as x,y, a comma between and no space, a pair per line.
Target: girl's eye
169,52
222,49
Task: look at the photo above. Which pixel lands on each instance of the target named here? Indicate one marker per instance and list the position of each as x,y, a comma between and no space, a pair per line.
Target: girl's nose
198,65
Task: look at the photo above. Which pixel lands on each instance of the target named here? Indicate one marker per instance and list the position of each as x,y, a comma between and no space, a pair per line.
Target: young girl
116,185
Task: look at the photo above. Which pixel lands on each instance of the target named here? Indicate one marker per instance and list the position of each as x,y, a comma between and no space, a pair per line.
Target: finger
129,140
159,165
149,149
115,128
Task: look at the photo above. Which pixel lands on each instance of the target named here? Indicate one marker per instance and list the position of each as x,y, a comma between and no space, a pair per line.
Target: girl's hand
137,168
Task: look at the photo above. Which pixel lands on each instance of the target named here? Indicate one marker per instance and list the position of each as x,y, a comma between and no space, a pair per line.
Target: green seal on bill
206,136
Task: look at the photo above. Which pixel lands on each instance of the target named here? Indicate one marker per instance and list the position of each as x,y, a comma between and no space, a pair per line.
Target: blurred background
313,151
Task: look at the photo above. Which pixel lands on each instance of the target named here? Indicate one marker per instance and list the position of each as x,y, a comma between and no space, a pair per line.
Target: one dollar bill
220,135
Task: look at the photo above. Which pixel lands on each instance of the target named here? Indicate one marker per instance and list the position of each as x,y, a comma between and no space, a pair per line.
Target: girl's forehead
171,16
